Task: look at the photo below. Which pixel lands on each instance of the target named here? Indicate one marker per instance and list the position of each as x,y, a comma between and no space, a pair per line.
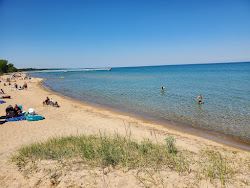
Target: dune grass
214,165
103,151
117,151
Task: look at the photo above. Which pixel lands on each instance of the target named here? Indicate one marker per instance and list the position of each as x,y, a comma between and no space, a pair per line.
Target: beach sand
74,118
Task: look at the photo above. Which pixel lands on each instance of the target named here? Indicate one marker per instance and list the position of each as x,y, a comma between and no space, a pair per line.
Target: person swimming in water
199,99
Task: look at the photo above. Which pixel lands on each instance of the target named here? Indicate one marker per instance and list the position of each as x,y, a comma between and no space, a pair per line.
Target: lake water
225,88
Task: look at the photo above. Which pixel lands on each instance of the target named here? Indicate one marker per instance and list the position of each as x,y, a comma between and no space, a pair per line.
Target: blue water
225,89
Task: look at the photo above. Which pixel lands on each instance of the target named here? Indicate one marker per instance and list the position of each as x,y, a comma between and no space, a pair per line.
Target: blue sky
113,33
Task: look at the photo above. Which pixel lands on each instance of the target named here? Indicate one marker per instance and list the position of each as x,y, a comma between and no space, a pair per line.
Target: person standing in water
199,99
163,89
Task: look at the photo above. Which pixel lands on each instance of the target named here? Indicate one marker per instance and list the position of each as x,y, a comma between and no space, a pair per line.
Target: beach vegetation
170,142
104,151
3,66
11,68
6,67
214,165
32,69
121,152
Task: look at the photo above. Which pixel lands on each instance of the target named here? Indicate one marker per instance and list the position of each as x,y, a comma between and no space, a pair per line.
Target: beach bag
31,111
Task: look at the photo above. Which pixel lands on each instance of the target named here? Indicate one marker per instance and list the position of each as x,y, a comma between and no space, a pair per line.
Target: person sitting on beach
47,101
10,111
5,97
2,92
17,111
25,85
4,84
54,103
16,86
199,99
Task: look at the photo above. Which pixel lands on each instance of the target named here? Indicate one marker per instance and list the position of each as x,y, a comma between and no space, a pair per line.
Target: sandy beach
74,118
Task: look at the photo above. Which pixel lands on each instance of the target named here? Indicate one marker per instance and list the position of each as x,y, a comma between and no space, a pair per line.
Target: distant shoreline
62,69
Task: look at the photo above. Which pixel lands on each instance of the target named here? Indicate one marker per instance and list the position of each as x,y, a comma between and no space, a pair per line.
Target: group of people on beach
50,102
199,98
16,111
13,112
25,86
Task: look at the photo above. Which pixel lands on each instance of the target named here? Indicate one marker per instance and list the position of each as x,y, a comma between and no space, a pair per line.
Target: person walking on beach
199,99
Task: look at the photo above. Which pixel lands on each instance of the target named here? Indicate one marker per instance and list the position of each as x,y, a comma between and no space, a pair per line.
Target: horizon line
140,66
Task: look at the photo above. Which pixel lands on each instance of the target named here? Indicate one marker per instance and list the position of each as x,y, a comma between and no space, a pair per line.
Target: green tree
12,69
10,65
3,66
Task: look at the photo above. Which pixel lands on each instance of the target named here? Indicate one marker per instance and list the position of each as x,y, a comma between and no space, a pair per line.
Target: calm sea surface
225,89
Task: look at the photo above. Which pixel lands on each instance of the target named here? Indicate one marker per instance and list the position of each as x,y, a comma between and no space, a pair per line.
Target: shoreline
75,118
213,136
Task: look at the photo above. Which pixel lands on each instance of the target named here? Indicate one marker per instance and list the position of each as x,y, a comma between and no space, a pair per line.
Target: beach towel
20,118
34,117
1,102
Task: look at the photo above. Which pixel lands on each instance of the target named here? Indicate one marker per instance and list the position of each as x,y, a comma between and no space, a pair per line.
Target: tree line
6,67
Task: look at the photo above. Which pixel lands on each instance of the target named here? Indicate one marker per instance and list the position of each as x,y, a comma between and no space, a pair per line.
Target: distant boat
109,69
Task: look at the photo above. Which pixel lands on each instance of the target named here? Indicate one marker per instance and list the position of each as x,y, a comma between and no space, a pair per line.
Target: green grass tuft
216,166
170,142
104,151
117,151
